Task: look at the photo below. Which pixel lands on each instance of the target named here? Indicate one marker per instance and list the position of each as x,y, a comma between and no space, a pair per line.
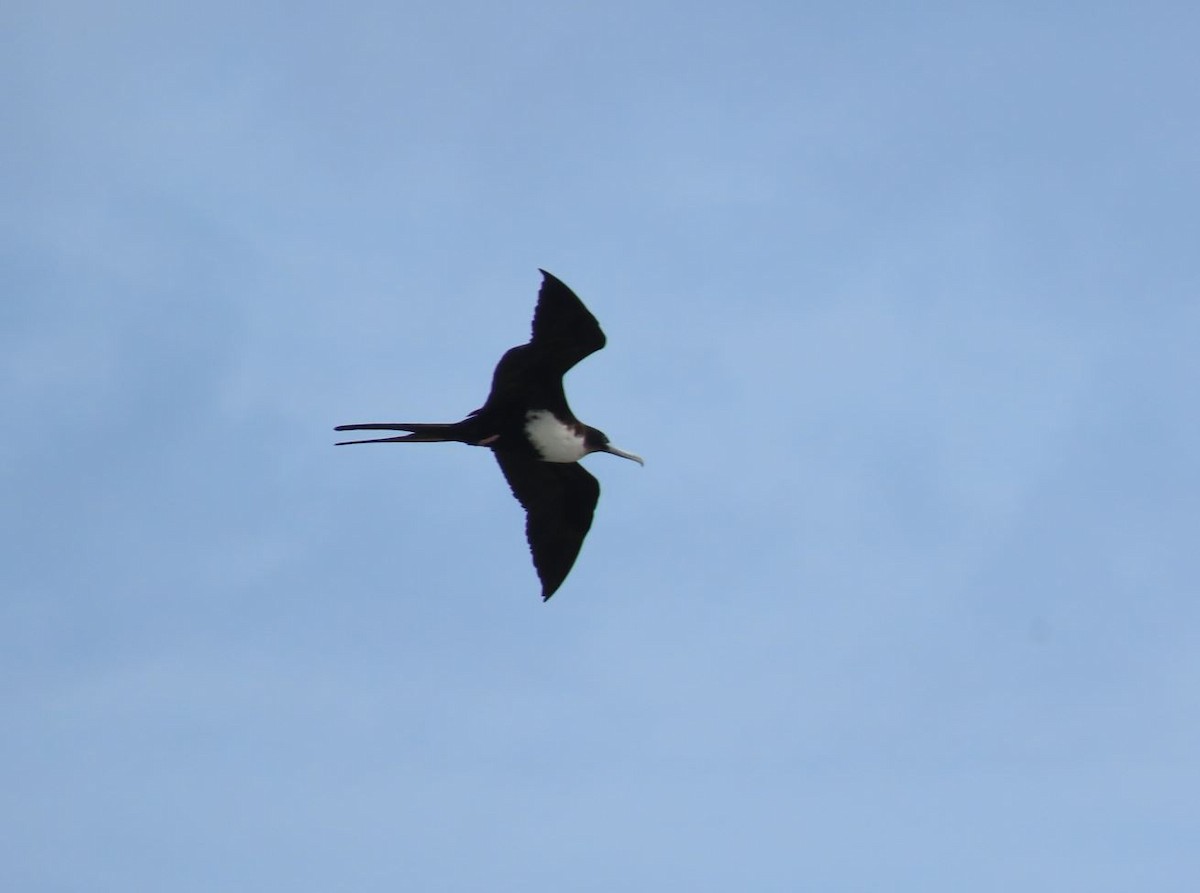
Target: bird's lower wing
559,500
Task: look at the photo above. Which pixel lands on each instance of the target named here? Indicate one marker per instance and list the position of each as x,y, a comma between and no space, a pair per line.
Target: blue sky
902,309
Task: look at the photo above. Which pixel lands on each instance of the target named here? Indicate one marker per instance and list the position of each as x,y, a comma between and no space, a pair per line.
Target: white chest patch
555,441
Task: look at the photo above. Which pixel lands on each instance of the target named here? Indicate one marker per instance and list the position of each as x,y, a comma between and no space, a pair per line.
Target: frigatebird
533,434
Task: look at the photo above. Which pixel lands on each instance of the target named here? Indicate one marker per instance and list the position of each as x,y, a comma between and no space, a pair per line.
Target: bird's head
596,441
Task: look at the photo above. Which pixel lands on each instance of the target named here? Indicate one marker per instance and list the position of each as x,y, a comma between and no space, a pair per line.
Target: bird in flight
533,434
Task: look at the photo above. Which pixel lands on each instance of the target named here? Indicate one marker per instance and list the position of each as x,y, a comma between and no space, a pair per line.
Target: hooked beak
624,455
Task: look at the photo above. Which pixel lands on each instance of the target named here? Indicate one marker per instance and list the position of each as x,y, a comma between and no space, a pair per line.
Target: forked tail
418,432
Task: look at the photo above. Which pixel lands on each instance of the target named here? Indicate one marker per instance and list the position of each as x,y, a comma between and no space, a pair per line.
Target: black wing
559,499
564,332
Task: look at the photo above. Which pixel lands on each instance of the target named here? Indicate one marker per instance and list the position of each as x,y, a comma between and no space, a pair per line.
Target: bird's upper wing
559,500
564,332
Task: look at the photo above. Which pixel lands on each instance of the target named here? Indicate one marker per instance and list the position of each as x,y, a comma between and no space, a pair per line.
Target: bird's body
530,429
